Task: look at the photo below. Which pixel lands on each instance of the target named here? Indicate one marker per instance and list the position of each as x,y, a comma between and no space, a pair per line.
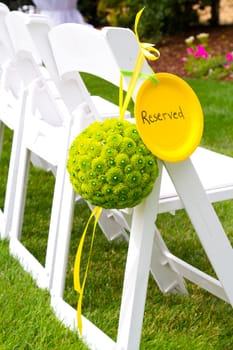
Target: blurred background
160,18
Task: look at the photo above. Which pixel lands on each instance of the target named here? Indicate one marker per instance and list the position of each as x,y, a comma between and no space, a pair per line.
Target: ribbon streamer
146,50
77,284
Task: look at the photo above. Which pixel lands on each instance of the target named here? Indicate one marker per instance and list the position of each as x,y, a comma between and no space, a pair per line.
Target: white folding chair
44,137
10,105
74,93
119,47
5,57
6,72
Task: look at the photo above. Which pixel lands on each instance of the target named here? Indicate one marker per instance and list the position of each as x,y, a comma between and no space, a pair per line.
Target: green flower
84,163
121,190
99,165
138,161
114,140
128,146
94,149
85,190
91,174
102,178
114,176
122,160
134,179
107,189
141,149
110,166
108,152
100,135
145,178
128,168
82,176
132,133
150,163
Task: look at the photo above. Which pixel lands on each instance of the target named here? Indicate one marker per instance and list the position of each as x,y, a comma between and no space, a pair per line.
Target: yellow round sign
169,117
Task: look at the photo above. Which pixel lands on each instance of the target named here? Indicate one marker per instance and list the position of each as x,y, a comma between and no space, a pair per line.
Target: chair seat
218,185
45,143
103,107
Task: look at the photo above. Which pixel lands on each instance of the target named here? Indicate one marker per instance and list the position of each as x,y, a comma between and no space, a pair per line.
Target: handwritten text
148,118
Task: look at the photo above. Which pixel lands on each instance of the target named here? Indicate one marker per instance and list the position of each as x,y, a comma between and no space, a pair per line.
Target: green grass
217,103
26,319
171,322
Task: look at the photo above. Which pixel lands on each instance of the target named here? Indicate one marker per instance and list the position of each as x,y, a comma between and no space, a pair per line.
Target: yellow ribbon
77,284
146,50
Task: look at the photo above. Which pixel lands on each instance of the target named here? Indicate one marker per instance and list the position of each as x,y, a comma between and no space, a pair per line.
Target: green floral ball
110,166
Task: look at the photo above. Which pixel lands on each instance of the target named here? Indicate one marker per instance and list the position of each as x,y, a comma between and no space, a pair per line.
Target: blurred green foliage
159,18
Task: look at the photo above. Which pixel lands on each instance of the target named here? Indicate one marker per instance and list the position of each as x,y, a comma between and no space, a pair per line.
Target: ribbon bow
148,50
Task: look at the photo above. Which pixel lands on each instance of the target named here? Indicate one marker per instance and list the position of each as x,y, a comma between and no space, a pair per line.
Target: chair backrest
29,62
125,48
85,49
23,46
70,85
10,84
73,91
38,26
5,43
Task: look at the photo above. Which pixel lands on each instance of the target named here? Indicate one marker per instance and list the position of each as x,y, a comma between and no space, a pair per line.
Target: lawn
171,322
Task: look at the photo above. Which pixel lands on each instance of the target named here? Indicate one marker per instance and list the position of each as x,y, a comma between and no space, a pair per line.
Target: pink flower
190,51
201,52
229,56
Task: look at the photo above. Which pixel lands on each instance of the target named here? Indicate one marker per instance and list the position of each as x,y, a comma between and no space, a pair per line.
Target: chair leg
63,239
56,213
205,221
1,136
137,272
13,171
20,194
10,191
165,273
